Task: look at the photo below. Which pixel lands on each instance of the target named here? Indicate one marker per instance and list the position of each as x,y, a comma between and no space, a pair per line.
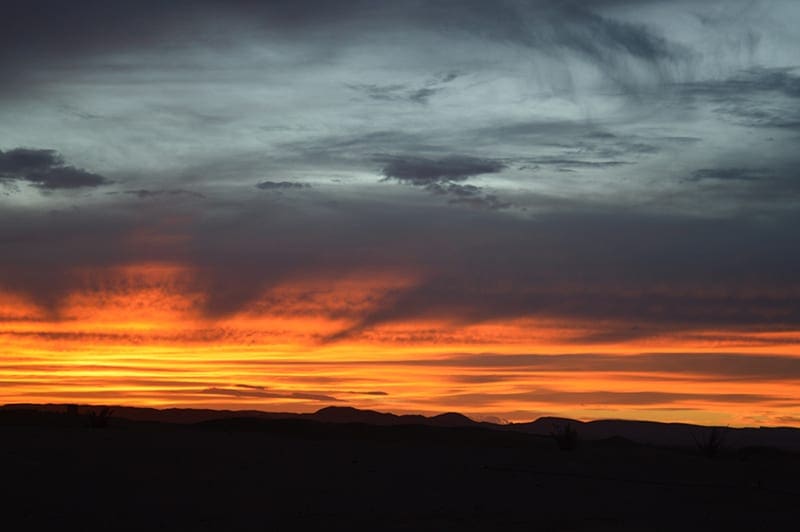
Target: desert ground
244,474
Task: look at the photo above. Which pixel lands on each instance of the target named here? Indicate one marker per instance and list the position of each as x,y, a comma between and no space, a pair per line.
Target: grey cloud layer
647,274
622,160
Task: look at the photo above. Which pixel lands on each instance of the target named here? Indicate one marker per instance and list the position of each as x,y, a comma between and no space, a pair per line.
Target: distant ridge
454,419
348,414
642,432
666,434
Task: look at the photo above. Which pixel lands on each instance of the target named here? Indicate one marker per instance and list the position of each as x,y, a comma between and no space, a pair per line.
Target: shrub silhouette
566,437
712,444
99,419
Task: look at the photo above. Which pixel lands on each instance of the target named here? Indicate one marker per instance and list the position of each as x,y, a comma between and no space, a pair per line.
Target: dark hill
666,434
640,432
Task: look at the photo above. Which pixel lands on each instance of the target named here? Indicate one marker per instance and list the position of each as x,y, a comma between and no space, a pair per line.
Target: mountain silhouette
639,432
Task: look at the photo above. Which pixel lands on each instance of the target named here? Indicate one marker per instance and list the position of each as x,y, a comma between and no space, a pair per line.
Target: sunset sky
508,209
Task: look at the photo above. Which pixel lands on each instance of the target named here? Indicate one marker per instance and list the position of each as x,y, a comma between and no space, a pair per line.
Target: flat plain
287,474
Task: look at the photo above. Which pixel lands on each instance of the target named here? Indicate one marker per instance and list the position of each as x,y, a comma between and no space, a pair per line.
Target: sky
508,209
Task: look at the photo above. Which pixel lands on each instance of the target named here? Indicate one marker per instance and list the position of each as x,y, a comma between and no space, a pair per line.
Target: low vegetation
565,436
99,419
712,443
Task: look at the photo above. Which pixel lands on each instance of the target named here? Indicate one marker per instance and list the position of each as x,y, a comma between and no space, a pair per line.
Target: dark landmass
643,432
343,469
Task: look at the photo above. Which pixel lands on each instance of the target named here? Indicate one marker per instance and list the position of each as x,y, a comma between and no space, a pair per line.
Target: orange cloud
137,336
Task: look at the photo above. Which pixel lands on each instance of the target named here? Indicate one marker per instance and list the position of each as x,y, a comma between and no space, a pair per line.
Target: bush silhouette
712,444
99,419
566,437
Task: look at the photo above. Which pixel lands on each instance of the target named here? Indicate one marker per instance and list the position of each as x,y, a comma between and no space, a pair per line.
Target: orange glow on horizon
139,337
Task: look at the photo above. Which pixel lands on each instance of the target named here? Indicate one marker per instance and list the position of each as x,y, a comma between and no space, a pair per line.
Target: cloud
441,176
282,185
558,28
46,170
541,24
468,266
541,84
760,97
462,191
494,163
402,92
251,391
727,174
723,366
23,160
395,93
562,162
596,35
144,193
599,267
420,171
422,95
469,195
255,392
606,398
66,177
783,81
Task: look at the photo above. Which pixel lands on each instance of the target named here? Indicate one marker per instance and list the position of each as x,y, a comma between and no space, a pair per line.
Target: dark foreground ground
295,475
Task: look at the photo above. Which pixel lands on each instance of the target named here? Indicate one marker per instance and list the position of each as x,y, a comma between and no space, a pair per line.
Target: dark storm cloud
282,185
45,169
421,171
